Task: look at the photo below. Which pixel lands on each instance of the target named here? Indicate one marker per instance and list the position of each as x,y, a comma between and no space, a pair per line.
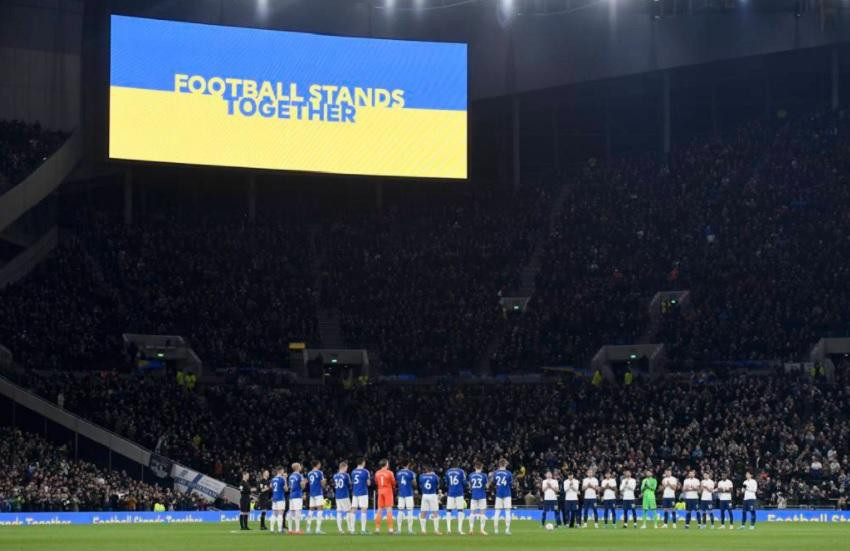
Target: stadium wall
40,66
530,51
824,516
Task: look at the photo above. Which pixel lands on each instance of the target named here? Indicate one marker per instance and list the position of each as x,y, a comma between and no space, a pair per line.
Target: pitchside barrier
196,517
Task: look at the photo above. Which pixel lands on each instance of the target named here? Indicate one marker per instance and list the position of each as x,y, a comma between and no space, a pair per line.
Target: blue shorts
750,505
668,502
628,504
705,505
571,505
724,504
550,505
691,504
589,504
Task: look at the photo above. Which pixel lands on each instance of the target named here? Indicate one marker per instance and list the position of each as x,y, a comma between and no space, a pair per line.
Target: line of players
351,493
701,497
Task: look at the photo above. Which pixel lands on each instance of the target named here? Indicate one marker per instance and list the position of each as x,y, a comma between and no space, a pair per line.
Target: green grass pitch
526,535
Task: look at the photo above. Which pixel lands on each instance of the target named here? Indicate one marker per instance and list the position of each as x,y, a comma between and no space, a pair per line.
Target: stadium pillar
665,113
128,197
835,74
515,145
252,197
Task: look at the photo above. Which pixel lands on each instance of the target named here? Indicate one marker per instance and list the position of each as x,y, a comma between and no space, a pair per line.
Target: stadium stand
777,424
41,476
419,284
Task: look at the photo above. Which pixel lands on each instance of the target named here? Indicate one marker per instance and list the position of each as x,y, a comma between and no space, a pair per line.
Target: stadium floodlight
263,8
505,12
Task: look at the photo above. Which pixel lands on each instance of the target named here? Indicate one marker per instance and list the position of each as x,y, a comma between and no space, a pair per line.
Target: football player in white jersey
549,488
691,489
571,492
724,501
590,485
609,499
706,500
628,485
669,486
750,496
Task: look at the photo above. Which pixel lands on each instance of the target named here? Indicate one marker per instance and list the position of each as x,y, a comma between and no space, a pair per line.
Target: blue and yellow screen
230,96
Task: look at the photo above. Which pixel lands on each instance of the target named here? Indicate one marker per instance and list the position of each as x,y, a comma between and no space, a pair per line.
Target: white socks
362,520
319,518
448,522
496,516
339,522
423,524
460,517
350,520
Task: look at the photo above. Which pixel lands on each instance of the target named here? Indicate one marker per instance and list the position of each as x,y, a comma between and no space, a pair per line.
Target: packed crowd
24,146
421,284
627,230
780,426
752,225
772,281
38,475
238,292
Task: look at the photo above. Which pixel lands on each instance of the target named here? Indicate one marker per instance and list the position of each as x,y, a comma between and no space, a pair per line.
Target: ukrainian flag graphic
229,96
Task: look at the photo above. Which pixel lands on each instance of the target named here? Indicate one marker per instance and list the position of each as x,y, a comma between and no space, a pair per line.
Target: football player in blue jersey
406,481
316,482
296,498
342,496
456,485
429,485
478,498
361,479
278,487
503,481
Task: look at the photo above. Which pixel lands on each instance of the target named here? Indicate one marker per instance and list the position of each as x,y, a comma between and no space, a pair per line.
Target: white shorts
296,504
405,502
317,501
343,504
503,503
478,504
430,503
279,505
361,502
453,503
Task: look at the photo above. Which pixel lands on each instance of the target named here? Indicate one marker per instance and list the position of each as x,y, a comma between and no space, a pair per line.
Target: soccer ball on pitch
550,526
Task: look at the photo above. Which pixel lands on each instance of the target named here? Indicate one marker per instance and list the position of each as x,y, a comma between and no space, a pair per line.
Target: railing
41,183
22,264
113,442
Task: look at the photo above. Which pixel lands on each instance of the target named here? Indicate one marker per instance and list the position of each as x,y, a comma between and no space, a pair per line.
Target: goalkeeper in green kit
647,488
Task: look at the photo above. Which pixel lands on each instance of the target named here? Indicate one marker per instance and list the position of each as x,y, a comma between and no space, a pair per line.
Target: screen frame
378,178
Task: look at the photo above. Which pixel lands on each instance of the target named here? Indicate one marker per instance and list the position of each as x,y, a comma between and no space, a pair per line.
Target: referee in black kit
245,490
264,500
